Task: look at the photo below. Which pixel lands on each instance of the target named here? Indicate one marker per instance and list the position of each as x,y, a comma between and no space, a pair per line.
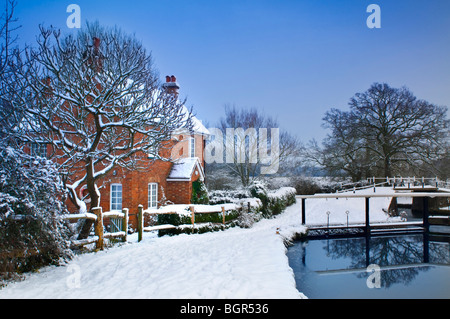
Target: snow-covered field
235,263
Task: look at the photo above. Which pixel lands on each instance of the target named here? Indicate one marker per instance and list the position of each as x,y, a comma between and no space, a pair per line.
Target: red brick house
165,181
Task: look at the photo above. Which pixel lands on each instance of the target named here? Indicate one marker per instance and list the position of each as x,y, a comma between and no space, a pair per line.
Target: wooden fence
97,216
142,213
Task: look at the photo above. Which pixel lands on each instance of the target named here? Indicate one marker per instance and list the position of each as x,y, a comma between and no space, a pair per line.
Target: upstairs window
38,149
192,147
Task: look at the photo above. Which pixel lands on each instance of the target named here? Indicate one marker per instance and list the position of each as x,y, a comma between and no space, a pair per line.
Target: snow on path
236,263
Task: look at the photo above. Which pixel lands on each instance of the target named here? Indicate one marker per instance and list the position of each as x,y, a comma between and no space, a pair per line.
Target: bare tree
7,37
246,127
96,99
7,50
399,128
387,131
342,152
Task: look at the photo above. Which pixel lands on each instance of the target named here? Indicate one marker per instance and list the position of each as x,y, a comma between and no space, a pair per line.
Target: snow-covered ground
235,263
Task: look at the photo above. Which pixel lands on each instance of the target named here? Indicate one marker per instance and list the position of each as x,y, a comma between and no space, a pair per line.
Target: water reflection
403,260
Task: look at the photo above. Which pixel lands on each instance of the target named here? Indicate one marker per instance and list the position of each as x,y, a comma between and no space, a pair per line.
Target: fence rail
98,217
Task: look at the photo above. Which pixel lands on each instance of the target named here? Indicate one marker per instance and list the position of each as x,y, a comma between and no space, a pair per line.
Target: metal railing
367,225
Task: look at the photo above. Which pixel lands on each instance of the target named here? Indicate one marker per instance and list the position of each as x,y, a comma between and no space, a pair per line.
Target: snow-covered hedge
228,196
273,202
243,208
204,222
281,199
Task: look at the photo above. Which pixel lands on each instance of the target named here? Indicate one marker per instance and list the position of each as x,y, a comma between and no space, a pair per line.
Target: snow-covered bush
258,189
199,193
280,199
204,222
31,193
273,202
227,196
268,203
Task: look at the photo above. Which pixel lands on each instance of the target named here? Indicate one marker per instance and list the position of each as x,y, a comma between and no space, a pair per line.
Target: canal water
397,267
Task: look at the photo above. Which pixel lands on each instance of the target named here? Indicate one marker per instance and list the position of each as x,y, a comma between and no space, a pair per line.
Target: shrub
203,221
199,193
280,199
273,203
306,186
227,196
31,233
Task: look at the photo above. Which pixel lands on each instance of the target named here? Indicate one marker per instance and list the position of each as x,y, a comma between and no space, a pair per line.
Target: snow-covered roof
197,125
183,169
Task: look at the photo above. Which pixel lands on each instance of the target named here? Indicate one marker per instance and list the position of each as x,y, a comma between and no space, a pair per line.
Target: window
192,147
153,195
116,197
38,149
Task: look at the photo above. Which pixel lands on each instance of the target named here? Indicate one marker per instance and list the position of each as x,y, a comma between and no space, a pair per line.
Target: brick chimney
93,55
171,86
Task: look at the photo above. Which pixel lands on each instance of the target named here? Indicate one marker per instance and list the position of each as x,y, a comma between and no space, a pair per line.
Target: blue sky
293,59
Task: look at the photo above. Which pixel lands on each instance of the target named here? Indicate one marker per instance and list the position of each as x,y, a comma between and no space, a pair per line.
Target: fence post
125,224
98,227
223,214
140,222
192,215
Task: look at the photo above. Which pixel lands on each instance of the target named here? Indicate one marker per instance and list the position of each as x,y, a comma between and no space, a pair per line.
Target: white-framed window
153,195
192,147
116,197
38,149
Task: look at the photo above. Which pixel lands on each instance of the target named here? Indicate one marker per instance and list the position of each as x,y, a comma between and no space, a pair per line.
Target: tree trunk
85,230
387,167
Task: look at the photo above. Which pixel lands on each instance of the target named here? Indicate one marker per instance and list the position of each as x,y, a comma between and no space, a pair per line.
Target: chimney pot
173,78
96,42
167,79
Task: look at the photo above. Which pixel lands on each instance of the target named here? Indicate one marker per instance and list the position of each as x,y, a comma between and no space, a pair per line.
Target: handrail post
367,217
125,224
303,211
426,223
98,227
140,222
